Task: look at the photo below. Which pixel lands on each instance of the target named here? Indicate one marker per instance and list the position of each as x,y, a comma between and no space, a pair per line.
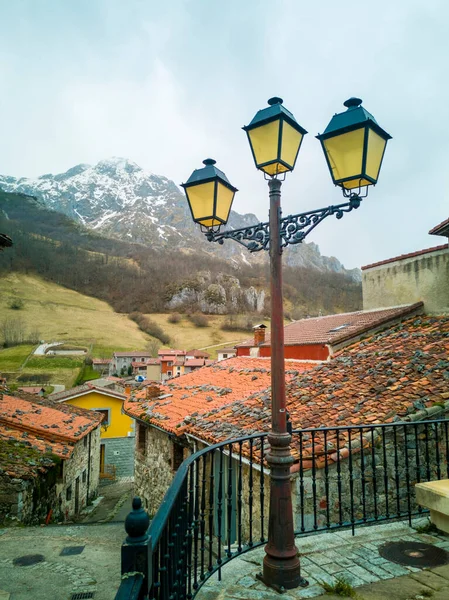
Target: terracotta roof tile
172,406
404,256
43,427
392,374
333,329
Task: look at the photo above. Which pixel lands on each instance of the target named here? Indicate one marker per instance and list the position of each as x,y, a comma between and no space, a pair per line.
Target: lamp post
354,145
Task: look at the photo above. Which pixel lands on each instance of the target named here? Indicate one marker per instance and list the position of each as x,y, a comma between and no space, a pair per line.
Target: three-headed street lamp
354,146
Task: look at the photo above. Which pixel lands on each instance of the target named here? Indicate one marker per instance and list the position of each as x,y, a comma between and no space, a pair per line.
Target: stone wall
31,500
424,277
120,452
28,501
153,471
76,475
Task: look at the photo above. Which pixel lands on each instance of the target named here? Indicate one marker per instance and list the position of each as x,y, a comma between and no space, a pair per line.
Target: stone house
122,361
421,276
117,429
163,414
319,338
49,459
399,374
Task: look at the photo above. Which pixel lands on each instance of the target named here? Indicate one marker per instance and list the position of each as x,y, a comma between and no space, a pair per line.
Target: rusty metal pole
281,566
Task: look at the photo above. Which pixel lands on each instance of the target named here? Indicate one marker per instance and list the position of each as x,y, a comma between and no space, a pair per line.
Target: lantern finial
352,103
275,100
209,161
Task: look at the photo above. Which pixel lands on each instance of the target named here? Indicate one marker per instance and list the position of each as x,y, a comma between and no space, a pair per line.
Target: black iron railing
217,505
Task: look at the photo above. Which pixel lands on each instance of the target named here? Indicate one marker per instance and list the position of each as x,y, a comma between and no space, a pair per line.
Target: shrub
149,327
199,320
15,304
233,323
174,318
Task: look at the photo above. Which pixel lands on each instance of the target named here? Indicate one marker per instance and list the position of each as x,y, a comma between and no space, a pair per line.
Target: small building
33,390
226,353
101,365
49,459
122,361
318,338
117,430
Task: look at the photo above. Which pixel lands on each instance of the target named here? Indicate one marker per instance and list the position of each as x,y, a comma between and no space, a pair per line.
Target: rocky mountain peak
119,199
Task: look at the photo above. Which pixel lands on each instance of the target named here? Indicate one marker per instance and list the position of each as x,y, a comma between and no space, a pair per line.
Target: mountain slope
117,198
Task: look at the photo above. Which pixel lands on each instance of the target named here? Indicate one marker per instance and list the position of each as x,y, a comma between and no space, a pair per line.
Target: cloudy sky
167,84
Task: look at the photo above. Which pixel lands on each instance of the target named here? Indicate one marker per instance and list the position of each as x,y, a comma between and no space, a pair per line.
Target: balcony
216,509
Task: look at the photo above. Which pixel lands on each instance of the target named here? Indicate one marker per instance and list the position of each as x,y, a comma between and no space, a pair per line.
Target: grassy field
61,315
185,336
66,316
11,359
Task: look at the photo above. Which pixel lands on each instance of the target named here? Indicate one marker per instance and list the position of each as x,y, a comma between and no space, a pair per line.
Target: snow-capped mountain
119,199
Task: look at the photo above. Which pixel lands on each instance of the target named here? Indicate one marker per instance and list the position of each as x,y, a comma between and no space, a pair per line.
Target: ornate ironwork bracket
293,229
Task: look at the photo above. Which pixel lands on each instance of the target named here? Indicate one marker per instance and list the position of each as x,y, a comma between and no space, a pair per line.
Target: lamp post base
282,575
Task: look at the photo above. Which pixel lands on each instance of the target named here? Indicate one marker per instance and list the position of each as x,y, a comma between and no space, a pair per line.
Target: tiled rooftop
133,353
181,400
333,329
394,373
79,390
404,256
441,228
43,427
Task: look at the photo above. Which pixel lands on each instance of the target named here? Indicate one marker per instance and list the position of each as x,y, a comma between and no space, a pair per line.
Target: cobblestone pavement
96,569
339,554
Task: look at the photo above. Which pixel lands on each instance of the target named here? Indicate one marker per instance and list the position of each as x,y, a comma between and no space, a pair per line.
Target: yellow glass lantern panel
225,196
291,141
376,148
201,200
264,143
345,154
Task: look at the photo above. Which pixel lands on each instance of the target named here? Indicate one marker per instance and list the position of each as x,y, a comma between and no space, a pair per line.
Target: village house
101,365
224,353
163,412
49,459
121,362
117,429
399,374
319,338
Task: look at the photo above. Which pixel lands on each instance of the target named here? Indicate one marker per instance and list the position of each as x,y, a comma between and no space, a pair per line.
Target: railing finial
137,523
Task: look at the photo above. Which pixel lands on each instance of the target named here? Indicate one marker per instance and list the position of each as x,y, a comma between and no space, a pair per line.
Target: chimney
259,334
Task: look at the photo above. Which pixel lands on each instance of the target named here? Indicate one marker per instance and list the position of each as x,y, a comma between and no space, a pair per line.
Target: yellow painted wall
120,424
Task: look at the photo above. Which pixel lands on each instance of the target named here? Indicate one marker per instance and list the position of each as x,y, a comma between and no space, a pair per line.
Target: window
177,457
68,493
169,373
170,363
106,412
225,356
84,476
142,438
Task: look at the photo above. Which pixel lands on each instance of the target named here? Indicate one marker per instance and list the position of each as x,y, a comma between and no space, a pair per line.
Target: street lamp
354,146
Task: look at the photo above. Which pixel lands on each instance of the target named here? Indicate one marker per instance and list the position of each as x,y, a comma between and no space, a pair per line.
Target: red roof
43,426
205,390
333,329
404,256
170,352
31,389
101,361
197,353
396,372
194,362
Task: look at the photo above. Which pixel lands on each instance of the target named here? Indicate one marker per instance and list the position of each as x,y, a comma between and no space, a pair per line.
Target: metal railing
217,505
